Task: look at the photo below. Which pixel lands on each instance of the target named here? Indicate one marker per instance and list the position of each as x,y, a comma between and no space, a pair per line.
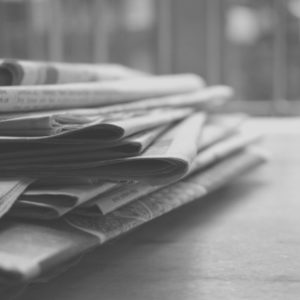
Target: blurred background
252,45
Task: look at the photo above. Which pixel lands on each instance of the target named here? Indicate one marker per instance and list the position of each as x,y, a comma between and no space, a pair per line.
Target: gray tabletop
241,242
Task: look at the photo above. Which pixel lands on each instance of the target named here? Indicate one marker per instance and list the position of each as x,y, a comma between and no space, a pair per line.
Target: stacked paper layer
103,149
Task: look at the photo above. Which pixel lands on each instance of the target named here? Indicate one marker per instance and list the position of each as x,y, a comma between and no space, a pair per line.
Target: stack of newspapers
89,152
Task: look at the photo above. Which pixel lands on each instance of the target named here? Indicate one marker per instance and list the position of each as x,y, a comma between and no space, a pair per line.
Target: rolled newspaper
21,72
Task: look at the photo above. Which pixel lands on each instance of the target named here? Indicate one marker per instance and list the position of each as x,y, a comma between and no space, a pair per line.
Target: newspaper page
33,152
167,159
66,196
219,127
223,149
117,198
106,128
203,99
38,251
160,202
123,193
21,72
130,192
49,203
42,97
10,190
37,210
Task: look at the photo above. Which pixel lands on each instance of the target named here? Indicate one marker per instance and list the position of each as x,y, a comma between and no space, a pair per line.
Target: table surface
241,242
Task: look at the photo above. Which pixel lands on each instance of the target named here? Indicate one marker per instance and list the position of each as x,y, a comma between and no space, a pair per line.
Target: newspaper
30,249
223,149
34,153
132,146
42,97
106,128
49,203
203,99
56,181
160,202
167,159
10,190
137,144
20,72
130,192
220,127
124,193
206,97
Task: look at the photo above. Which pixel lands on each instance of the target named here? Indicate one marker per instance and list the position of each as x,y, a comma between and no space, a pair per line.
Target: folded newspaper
52,202
93,94
102,149
168,158
109,128
29,249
